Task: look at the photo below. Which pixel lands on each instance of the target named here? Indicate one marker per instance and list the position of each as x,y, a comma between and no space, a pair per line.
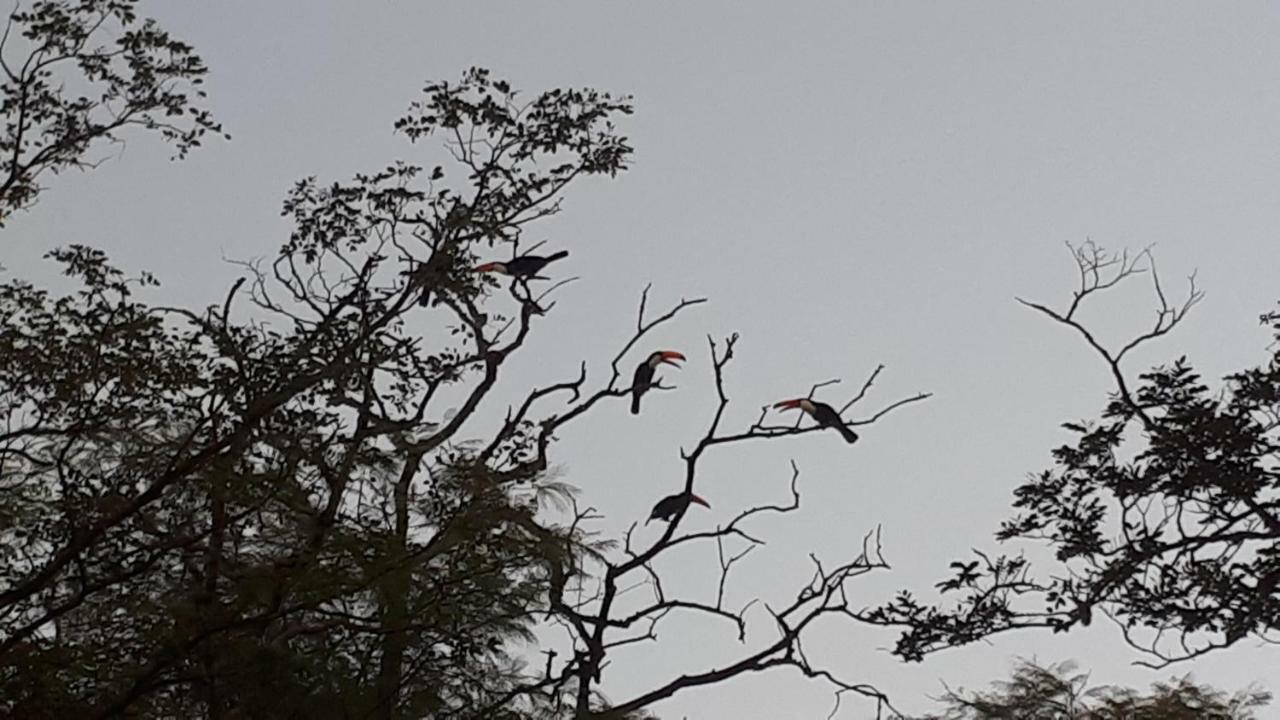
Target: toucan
426,276
525,267
643,379
824,414
672,506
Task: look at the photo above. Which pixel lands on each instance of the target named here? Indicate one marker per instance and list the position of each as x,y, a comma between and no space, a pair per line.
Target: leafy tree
1059,692
1165,510
259,509
79,73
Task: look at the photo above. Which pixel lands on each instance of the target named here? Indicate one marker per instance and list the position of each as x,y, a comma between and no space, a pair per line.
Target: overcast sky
850,184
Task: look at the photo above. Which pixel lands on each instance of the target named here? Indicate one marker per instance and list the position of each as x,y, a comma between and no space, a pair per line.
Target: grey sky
850,184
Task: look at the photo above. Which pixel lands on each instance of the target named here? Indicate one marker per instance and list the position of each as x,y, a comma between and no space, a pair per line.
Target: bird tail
635,403
849,435
558,255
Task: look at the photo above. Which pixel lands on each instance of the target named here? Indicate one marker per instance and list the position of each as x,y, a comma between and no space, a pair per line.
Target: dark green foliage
279,506
1058,692
252,514
75,75
1166,509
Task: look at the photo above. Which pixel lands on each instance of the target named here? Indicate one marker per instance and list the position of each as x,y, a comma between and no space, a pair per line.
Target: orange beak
670,356
788,405
700,501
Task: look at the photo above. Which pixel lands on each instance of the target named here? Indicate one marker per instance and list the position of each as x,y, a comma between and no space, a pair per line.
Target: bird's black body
643,379
823,414
826,416
640,385
671,506
422,278
427,276
528,266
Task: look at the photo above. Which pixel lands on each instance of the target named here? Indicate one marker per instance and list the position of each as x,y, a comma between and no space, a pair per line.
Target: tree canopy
281,505
1165,511
77,75
311,497
1060,692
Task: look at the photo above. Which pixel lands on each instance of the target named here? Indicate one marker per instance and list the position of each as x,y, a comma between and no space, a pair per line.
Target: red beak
670,356
700,501
487,267
787,405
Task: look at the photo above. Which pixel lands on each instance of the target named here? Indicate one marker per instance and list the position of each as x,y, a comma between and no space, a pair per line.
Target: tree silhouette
1165,511
80,73
266,508
1059,692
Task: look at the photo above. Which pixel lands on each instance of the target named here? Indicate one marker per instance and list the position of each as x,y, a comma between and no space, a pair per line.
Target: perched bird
429,275
673,506
643,379
525,267
824,414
